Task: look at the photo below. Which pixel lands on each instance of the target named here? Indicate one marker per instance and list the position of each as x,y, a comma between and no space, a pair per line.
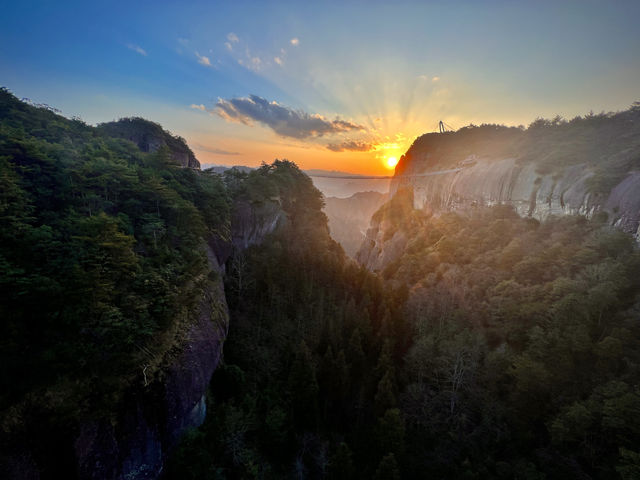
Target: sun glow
391,162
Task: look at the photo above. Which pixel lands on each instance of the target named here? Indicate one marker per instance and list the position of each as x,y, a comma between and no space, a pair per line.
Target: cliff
156,412
150,137
167,397
587,166
111,268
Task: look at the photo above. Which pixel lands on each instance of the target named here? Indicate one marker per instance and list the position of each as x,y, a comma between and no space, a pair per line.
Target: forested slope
103,275
524,359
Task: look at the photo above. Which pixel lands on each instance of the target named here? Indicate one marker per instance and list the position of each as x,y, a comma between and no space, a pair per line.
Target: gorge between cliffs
166,321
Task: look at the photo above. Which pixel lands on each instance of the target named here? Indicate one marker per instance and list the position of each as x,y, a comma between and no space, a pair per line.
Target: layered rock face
495,181
252,222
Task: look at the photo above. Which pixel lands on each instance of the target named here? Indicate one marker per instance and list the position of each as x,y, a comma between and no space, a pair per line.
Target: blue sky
336,85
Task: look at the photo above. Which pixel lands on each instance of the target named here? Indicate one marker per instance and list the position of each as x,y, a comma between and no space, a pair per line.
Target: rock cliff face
587,166
154,414
150,137
494,181
251,222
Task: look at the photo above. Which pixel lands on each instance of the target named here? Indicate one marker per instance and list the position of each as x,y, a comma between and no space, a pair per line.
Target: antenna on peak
445,127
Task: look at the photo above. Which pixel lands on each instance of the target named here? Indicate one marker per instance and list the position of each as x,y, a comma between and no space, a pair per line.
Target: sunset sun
391,162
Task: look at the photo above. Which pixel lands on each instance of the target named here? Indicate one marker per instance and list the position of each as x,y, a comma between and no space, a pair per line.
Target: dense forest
101,260
308,387
495,346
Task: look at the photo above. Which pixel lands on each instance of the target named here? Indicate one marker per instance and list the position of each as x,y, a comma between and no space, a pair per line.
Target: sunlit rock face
496,181
588,166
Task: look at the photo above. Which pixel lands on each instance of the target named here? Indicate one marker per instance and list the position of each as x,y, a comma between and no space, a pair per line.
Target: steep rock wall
251,222
495,181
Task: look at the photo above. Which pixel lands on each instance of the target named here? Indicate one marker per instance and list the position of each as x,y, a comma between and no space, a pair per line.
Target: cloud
351,145
137,49
199,107
427,77
278,60
283,120
232,38
295,41
183,41
216,151
202,60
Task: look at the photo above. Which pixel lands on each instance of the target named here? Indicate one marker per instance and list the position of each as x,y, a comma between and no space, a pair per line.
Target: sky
342,85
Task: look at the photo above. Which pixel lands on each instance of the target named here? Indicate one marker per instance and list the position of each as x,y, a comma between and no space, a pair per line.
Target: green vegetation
100,254
524,354
514,356
308,385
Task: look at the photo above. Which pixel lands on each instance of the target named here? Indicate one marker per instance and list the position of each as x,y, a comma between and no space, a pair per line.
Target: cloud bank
283,120
351,145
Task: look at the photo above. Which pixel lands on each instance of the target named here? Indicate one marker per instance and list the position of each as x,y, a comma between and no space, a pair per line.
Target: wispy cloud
295,41
283,120
428,77
198,107
137,49
252,62
202,60
231,39
351,145
216,151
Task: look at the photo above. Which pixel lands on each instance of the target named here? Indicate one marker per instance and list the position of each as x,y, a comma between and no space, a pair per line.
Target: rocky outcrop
506,181
376,252
150,137
251,222
134,442
155,415
588,166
